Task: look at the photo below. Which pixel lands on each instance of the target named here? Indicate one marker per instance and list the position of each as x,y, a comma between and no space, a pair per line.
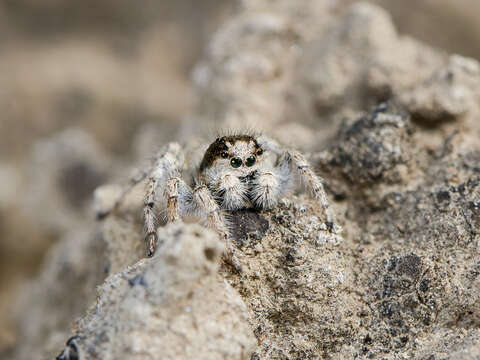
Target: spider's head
239,154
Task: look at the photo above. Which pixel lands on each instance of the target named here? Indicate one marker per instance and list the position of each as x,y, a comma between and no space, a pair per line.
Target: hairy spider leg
182,200
295,161
171,148
167,165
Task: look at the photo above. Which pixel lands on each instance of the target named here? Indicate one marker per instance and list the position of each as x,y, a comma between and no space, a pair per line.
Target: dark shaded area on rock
247,224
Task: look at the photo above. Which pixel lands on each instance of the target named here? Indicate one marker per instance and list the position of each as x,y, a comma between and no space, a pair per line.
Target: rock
360,61
276,250
448,343
448,94
373,147
295,282
67,168
174,305
249,67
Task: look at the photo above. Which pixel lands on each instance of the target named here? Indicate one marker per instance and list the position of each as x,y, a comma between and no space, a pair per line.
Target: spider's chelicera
236,172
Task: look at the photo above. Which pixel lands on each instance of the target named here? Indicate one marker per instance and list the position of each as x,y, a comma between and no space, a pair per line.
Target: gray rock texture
174,305
391,125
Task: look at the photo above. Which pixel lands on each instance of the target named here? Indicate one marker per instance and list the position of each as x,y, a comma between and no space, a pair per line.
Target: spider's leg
209,207
215,220
171,193
313,182
177,194
167,165
171,148
149,216
295,160
182,200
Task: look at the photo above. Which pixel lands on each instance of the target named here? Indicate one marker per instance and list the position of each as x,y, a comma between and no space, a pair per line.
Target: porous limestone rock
172,306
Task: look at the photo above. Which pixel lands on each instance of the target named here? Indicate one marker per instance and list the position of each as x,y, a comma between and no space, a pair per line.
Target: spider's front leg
314,183
181,200
179,195
169,158
171,193
167,165
208,206
216,220
293,160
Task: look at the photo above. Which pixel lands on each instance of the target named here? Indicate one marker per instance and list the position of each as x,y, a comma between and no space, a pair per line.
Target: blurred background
88,86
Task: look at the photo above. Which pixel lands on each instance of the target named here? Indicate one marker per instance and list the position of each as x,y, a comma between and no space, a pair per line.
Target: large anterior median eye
250,161
236,162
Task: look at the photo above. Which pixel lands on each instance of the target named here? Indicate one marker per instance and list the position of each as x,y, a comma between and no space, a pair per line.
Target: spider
236,172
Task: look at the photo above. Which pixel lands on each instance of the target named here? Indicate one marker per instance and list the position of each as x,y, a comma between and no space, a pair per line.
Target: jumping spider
236,172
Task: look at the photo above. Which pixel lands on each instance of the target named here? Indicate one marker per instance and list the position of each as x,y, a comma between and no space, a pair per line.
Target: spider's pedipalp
228,190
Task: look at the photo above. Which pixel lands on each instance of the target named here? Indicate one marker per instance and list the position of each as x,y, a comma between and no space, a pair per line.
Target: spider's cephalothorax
237,171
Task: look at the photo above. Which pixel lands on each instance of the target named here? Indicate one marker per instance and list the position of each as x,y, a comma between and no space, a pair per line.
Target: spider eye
236,162
224,154
250,161
259,151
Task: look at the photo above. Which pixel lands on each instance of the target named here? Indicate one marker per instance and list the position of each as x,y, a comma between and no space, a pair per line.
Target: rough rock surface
401,281
295,278
174,305
360,61
447,94
372,148
274,295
